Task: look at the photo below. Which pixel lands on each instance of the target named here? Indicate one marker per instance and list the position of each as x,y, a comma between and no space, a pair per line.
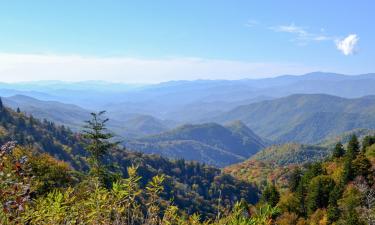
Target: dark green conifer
295,179
348,173
333,210
367,142
98,144
271,195
339,151
318,193
353,147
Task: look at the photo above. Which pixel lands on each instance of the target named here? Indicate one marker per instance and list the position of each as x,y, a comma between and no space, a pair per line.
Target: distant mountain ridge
73,116
165,99
306,118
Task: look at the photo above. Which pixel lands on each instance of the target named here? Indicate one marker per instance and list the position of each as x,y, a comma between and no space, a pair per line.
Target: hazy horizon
47,81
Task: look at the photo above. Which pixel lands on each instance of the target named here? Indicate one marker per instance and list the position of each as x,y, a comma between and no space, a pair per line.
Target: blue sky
153,41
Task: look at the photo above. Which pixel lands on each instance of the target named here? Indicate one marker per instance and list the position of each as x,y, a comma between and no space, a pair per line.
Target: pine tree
319,192
295,179
339,151
353,147
301,196
99,143
348,173
333,210
367,142
271,195
18,110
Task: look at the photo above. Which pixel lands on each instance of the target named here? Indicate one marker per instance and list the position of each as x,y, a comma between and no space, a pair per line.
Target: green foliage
88,202
333,211
353,147
291,153
295,179
271,195
304,118
194,187
209,143
362,166
319,191
348,172
42,136
315,198
367,142
98,144
339,151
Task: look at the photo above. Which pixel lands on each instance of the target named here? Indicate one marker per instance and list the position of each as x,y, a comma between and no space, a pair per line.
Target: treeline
339,190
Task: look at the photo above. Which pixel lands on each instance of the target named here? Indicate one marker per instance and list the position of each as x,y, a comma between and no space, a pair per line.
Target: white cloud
28,67
348,45
291,29
302,34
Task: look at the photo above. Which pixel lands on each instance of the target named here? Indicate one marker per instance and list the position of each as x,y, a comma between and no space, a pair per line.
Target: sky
154,41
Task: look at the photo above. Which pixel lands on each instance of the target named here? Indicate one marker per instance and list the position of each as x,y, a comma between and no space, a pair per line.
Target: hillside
292,153
43,136
67,114
209,143
295,153
275,162
305,118
193,186
124,124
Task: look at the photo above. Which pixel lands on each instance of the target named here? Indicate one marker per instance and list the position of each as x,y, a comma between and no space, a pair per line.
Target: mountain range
218,122
305,118
165,99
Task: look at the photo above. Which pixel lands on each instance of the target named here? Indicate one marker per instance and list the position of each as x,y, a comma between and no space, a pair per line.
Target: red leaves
14,181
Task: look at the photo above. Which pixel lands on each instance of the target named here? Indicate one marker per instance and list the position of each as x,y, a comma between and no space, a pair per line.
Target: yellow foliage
319,217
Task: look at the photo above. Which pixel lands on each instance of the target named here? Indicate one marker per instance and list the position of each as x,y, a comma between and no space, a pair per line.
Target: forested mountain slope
193,186
305,118
209,143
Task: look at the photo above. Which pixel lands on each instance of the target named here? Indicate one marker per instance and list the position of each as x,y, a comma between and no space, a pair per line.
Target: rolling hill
124,125
67,114
209,143
305,118
275,162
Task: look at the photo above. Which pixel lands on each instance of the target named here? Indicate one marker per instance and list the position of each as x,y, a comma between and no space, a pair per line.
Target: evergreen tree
18,110
339,151
361,166
301,196
353,147
333,210
348,173
271,195
99,143
295,179
318,193
367,142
